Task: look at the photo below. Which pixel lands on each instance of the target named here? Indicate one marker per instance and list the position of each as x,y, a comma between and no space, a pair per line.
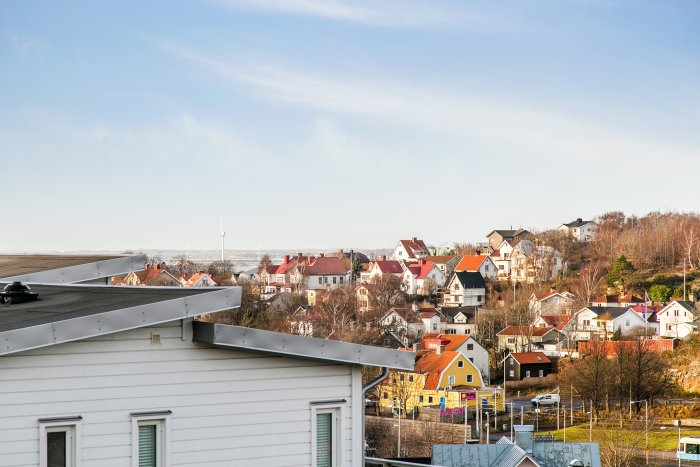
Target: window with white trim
326,437
149,439
59,443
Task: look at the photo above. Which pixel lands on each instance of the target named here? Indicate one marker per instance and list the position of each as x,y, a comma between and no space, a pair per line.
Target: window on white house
325,279
58,442
470,346
320,280
149,439
341,279
627,323
334,279
326,437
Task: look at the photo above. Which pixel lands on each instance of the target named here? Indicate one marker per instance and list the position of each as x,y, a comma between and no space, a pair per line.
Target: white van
545,399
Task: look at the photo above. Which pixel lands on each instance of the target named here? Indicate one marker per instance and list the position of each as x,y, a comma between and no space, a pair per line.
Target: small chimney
439,349
341,251
286,259
523,436
321,255
147,266
416,347
299,255
420,262
579,220
382,258
414,239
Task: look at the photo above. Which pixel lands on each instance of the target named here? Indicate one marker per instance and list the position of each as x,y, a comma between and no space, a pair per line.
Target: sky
339,123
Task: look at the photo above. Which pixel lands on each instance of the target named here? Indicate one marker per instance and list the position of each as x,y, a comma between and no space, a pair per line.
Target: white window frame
70,426
336,432
161,419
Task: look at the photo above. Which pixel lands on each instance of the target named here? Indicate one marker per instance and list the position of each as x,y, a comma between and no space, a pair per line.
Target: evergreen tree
621,274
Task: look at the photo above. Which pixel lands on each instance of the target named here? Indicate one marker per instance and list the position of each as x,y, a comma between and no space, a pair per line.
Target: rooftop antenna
223,235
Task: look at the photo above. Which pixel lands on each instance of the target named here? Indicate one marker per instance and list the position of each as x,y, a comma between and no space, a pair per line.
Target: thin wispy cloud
385,13
537,131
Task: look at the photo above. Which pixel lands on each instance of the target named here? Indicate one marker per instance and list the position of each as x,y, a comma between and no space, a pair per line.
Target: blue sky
334,123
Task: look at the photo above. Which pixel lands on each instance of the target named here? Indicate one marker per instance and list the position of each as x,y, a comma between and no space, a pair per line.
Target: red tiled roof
451,341
556,320
629,298
388,266
325,265
470,263
432,364
524,331
411,247
527,358
420,269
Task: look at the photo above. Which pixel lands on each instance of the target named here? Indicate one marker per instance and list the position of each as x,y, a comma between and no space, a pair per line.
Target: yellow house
437,375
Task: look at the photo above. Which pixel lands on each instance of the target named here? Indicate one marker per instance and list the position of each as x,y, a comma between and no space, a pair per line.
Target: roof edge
83,272
123,319
237,337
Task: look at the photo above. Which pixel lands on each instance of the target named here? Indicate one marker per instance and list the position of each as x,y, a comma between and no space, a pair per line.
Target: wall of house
326,281
229,408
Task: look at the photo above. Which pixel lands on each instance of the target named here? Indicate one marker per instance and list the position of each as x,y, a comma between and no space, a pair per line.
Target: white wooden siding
229,407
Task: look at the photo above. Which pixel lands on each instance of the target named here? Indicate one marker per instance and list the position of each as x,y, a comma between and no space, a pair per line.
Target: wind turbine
223,235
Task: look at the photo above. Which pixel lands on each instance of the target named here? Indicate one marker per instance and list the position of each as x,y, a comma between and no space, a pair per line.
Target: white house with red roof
321,272
501,258
410,250
380,267
482,264
198,279
422,277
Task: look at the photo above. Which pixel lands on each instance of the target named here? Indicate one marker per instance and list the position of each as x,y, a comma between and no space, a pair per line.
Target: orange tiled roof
432,365
528,358
452,341
470,263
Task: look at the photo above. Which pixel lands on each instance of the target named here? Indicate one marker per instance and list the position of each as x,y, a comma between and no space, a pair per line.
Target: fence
548,381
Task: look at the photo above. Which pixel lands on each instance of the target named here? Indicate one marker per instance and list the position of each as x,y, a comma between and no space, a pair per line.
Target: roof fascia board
123,319
236,337
83,272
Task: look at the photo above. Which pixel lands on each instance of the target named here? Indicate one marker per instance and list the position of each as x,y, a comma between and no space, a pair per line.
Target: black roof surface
62,302
471,280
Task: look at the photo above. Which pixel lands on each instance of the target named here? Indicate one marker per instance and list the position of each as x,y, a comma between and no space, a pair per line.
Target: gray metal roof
65,269
221,335
67,313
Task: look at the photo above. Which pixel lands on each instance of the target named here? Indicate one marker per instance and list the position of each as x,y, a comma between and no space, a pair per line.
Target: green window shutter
323,439
147,445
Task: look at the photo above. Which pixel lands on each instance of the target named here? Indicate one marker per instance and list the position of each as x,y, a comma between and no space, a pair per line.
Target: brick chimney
146,266
420,262
414,239
321,255
299,255
382,258
286,259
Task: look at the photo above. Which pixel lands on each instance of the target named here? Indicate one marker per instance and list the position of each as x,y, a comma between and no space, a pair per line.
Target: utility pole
564,407
590,425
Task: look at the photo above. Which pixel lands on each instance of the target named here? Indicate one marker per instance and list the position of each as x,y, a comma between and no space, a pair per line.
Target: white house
380,267
142,384
593,322
501,259
322,272
676,320
483,264
551,302
410,250
422,277
633,321
460,320
446,263
533,263
583,231
465,289
199,279
413,321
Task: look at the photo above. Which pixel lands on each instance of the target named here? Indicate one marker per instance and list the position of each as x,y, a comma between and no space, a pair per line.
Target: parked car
545,399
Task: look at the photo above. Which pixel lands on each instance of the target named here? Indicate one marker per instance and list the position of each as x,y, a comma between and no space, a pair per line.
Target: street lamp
646,426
